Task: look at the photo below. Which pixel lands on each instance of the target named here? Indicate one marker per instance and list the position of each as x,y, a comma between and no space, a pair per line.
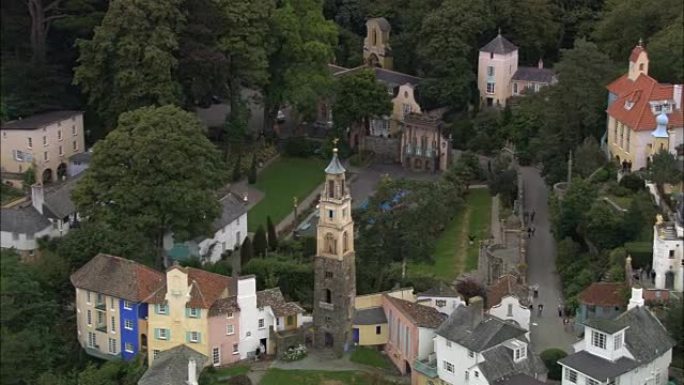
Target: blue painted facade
137,311
585,312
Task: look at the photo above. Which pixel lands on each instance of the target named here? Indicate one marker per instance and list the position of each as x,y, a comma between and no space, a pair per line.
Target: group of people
529,219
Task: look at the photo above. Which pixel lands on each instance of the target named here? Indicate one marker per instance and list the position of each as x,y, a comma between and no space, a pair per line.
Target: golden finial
335,144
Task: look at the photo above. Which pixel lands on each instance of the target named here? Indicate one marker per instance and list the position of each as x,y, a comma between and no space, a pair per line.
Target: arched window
345,242
330,245
331,189
328,296
375,37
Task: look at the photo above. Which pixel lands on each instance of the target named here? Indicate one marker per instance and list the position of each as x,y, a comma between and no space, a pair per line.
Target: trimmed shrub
633,182
550,358
300,147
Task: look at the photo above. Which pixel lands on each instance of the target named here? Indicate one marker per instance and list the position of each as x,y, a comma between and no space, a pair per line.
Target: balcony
101,328
101,306
326,305
427,368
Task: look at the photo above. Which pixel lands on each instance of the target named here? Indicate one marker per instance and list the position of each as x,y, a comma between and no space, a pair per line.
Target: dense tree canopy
358,98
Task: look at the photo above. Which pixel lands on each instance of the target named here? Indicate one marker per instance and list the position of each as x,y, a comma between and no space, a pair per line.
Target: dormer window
598,339
520,353
617,341
628,105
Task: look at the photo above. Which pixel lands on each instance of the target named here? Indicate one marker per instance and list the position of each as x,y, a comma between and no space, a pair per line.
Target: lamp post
295,203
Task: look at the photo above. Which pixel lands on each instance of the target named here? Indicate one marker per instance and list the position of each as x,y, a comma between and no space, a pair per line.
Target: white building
474,348
633,349
445,299
509,300
230,230
668,252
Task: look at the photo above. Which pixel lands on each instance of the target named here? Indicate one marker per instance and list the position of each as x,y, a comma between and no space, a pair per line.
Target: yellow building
370,326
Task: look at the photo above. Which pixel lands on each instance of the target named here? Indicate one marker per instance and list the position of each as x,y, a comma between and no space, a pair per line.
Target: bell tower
334,264
376,47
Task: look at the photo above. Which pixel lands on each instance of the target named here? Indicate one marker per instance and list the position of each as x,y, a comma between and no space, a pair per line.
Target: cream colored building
43,141
376,48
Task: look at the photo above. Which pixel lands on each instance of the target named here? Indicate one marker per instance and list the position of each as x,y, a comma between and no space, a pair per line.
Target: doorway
328,340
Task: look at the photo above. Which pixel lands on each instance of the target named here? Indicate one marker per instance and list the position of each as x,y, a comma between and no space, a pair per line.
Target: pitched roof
40,120
171,367
598,367
118,277
395,78
335,167
382,23
488,333
499,45
57,202
499,364
206,288
603,294
507,285
231,209
441,290
534,74
274,298
518,379
421,315
604,325
638,94
370,316
81,157
634,55
646,338
224,306
22,220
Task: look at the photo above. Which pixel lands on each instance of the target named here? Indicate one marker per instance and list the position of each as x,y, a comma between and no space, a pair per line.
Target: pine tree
236,170
260,243
272,235
246,252
252,177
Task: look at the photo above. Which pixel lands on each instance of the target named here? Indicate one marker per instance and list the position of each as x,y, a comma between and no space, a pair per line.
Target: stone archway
329,340
373,60
61,171
47,176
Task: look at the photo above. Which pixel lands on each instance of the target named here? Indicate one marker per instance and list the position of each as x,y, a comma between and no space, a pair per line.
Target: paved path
547,331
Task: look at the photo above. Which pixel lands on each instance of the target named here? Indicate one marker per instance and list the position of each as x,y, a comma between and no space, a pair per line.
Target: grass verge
370,357
317,377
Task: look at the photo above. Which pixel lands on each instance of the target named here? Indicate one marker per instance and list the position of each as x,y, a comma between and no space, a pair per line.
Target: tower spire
335,166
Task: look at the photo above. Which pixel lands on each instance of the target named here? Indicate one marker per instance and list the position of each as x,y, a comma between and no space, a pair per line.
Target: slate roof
604,325
382,23
118,277
171,367
231,208
39,120
640,92
394,78
518,379
507,285
335,167
57,201
81,157
224,306
603,294
370,316
498,364
499,45
488,333
22,220
598,367
534,74
441,290
207,288
421,315
274,298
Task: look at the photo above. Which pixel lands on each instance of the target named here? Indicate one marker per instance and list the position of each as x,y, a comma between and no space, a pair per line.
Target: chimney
628,270
192,372
637,299
37,196
477,309
540,64
677,96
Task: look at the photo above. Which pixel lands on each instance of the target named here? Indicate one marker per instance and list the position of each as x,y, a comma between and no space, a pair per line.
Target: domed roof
661,127
662,119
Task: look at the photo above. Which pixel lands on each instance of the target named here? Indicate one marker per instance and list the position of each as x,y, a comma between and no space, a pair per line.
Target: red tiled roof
604,294
640,92
118,277
421,315
635,52
507,285
207,288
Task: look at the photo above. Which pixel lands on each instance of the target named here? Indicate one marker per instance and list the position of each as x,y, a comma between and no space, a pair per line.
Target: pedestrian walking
533,230
532,216
540,308
560,311
529,232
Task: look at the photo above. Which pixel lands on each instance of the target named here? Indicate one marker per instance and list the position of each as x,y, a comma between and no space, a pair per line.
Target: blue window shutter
156,333
187,336
168,334
156,308
199,337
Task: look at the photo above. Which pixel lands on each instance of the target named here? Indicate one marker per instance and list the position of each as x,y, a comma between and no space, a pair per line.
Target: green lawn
371,357
231,371
9,193
453,255
623,202
282,180
317,377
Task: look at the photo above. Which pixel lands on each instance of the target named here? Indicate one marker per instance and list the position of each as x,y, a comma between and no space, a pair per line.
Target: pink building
411,330
224,333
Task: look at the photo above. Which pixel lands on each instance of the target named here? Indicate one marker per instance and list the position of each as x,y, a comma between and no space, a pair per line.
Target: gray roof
382,23
518,379
604,325
646,338
499,45
598,367
40,120
394,78
22,220
57,201
498,364
231,209
488,333
335,167
171,367
534,74
370,316
441,290
81,157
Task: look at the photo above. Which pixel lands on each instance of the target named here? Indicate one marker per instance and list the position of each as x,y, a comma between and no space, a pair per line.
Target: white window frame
163,334
92,340
127,305
490,70
230,329
448,366
113,324
591,381
111,346
261,323
617,341
490,91
89,317
194,337
570,375
131,350
126,323
194,312
598,339
236,349
216,356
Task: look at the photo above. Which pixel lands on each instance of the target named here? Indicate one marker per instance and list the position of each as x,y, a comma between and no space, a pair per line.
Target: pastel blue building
601,300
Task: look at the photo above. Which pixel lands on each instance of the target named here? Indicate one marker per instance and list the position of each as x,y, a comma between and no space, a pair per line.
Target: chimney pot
477,305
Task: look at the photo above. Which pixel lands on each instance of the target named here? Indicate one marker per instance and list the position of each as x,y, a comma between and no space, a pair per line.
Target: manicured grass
282,180
315,377
371,357
231,371
623,202
8,194
453,255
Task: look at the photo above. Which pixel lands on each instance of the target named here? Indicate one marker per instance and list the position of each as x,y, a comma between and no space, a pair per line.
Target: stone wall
386,150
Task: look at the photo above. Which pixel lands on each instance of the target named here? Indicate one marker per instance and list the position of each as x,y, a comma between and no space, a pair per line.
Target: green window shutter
187,336
187,312
168,334
156,333
199,337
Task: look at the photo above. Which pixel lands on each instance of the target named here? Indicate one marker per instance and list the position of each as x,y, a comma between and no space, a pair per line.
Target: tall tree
665,64
301,46
246,251
43,14
130,62
664,168
155,173
260,243
272,234
358,98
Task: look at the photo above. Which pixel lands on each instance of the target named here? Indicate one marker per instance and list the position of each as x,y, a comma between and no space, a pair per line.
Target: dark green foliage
505,184
260,244
674,322
664,168
252,175
359,98
470,288
550,358
240,379
633,182
272,234
568,214
641,253
588,157
29,177
293,277
300,147
246,252
607,228
237,168
308,246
